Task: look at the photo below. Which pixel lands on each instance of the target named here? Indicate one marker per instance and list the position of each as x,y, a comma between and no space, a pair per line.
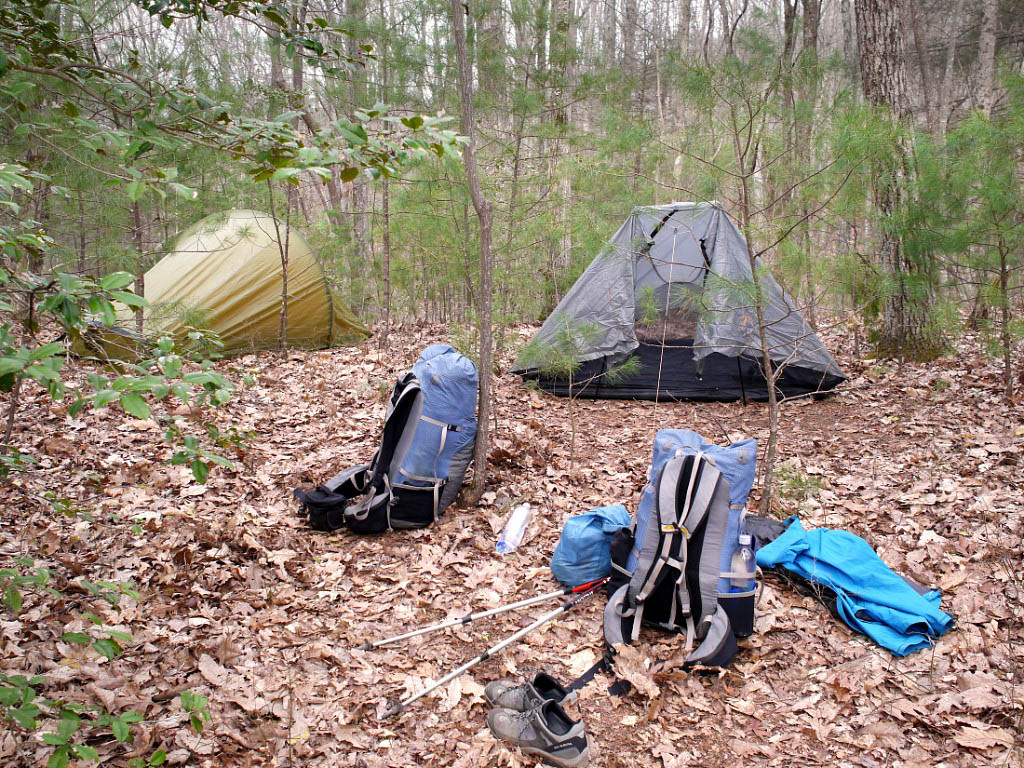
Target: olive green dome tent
224,275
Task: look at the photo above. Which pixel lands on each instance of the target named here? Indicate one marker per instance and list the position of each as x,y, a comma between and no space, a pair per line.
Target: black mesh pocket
740,607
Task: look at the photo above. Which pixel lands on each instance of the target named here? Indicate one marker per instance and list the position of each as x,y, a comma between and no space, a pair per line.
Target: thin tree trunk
770,373
483,212
81,235
723,9
12,409
709,16
808,94
850,53
946,96
385,193
140,273
1004,321
282,249
563,57
386,267
630,17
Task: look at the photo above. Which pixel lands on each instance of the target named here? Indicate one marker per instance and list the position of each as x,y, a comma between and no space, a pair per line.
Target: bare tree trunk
140,273
683,33
563,60
282,249
723,9
946,96
1004,320
277,83
987,57
922,65
709,21
808,94
608,32
484,215
541,13
740,152
490,48
81,234
386,267
630,17
850,53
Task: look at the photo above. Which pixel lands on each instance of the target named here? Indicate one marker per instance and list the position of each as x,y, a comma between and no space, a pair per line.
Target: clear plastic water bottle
512,536
743,566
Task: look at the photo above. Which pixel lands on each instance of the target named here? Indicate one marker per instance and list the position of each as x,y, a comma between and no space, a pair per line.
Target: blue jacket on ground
870,597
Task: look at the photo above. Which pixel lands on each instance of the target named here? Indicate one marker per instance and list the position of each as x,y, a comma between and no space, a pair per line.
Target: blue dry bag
584,549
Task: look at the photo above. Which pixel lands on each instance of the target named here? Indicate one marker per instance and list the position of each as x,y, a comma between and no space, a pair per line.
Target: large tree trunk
905,330
484,215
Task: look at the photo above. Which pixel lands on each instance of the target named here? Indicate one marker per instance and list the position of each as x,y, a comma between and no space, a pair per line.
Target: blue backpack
418,470
672,568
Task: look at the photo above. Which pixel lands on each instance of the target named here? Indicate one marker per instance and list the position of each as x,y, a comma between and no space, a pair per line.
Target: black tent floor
668,373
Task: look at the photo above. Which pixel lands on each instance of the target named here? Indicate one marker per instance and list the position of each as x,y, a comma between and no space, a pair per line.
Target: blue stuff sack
584,548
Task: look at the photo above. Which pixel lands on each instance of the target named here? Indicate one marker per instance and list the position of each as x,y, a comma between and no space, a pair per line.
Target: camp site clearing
244,604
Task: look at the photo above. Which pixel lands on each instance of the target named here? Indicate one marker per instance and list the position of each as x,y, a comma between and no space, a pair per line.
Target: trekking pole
369,646
564,608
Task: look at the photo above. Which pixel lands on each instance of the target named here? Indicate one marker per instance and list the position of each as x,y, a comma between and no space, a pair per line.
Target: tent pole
604,369
743,389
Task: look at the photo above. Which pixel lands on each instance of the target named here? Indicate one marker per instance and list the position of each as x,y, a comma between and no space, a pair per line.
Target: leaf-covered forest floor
240,602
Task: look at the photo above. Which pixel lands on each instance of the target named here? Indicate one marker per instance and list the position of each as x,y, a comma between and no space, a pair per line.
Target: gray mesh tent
674,291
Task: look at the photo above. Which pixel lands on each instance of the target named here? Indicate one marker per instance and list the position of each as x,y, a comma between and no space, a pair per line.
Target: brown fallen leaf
214,673
630,665
975,737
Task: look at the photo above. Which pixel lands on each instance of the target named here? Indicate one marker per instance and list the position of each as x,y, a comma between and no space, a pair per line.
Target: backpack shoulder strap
395,439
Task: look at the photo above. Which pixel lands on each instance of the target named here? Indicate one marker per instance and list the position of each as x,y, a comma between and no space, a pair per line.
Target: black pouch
324,508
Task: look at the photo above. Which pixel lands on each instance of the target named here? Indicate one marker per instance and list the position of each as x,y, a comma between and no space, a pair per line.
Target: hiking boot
545,731
503,693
